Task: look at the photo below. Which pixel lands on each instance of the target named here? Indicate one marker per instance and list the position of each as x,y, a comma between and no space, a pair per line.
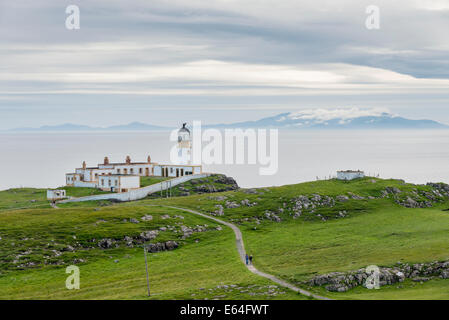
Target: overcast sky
164,62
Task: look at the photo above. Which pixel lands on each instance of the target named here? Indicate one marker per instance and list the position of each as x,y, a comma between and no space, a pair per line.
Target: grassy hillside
37,244
23,198
147,181
37,198
371,226
294,232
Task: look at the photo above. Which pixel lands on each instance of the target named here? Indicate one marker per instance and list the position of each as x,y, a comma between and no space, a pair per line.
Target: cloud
219,78
225,53
342,114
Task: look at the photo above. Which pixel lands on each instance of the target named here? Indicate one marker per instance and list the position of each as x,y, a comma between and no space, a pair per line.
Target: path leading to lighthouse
241,249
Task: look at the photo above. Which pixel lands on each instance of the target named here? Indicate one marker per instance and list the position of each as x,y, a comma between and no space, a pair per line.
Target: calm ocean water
42,159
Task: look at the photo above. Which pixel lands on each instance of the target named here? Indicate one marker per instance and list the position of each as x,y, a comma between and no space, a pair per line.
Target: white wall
82,184
135,168
103,182
139,193
129,182
349,175
55,194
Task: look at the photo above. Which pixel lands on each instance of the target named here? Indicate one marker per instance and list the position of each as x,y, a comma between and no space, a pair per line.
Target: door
177,172
147,171
182,172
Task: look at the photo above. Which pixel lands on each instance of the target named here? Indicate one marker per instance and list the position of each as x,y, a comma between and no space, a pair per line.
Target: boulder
219,211
147,217
342,198
148,235
106,243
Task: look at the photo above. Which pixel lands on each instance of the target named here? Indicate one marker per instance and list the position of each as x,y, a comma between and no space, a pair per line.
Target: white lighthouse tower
184,145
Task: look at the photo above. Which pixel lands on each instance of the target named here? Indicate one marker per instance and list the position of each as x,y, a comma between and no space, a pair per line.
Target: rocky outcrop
205,188
342,198
148,235
441,188
215,183
188,231
341,282
218,198
106,243
162,246
247,203
409,202
304,203
231,204
219,211
272,216
418,198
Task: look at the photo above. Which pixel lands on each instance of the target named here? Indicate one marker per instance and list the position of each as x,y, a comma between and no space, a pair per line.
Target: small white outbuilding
57,194
350,174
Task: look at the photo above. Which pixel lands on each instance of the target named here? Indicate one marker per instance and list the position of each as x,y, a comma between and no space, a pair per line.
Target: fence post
146,268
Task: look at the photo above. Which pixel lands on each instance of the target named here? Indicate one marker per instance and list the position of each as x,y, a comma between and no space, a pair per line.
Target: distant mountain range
306,119
317,120
134,126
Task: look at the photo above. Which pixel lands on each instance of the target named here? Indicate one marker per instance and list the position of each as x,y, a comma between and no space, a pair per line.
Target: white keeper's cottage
56,194
350,174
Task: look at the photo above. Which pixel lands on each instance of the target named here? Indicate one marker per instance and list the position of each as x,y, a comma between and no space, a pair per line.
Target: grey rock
149,235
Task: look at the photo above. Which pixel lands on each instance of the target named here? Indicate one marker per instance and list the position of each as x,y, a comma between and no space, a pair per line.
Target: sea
41,159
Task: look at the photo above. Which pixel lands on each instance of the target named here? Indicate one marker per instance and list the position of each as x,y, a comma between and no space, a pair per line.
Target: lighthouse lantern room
184,145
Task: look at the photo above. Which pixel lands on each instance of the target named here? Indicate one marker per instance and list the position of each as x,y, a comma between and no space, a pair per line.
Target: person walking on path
251,259
246,258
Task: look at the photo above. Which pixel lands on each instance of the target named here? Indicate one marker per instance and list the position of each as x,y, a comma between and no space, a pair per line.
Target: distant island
134,126
329,119
336,119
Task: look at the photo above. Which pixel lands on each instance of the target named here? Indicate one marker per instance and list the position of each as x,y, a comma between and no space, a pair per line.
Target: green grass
37,198
377,231
82,192
45,230
374,231
23,198
382,237
213,183
147,181
193,271
437,289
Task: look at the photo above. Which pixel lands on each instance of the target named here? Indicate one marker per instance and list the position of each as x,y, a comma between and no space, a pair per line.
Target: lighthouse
184,145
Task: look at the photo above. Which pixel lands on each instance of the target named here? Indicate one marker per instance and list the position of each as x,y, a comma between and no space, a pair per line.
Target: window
140,170
131,170
125,171
171,170
96,175
118,171
109,182
116,183
102,182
